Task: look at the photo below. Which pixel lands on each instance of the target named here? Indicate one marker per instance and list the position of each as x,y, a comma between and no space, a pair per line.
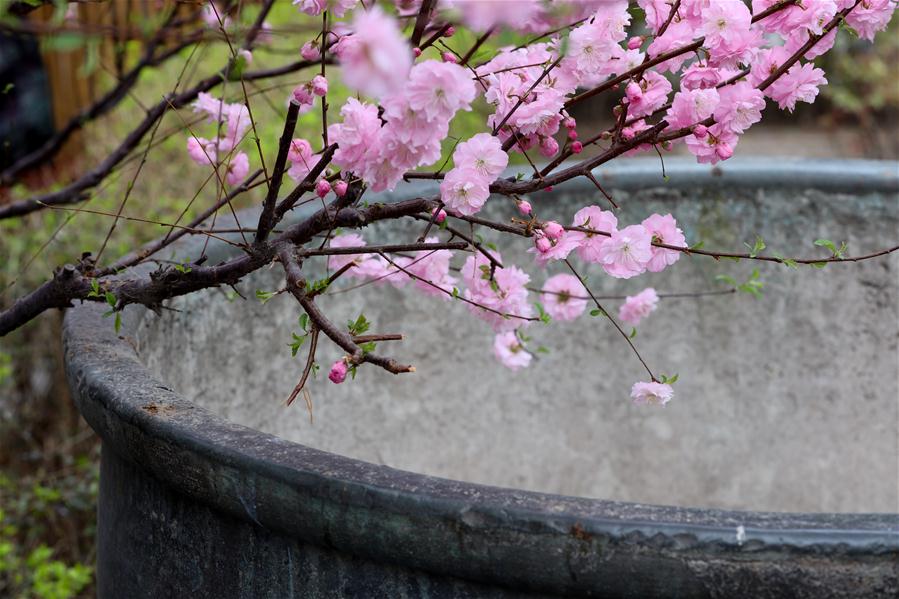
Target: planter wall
210,487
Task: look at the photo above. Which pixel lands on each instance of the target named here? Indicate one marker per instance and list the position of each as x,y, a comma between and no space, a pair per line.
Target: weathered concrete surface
789,402
195,505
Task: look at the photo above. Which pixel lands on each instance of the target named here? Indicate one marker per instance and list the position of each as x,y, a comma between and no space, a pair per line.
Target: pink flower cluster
501,301
623,253
637,307
234,119
415,120
477,164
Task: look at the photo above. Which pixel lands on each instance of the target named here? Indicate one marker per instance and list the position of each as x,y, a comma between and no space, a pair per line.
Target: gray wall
788,402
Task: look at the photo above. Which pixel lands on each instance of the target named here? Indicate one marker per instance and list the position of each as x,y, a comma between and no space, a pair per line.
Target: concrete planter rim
301,491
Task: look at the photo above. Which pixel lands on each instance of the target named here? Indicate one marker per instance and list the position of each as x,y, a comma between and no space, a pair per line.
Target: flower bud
634,43
319,86
322,188
577,147
549,147
309,51
569,123
543,244
440,216
340,187
450,31
416,52
572,134
553,230
246,55
338,372
700,131
524,207
724,151
302,95
450,58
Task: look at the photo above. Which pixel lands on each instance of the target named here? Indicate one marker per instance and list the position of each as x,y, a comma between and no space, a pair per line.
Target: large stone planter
778,458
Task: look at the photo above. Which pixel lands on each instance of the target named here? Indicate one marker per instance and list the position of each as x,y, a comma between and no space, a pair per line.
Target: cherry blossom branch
267,216
296,285
612,320
421,21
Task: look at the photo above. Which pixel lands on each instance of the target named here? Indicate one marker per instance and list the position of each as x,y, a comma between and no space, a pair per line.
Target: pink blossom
664,229
799,84
302,96
740,107
238,168
627,252
340,187
301,159
678,35
464,191
549,147
577,147
432,267
589,244
509,351
718,144
482,153
563,297
525,208
870,16
338,261
315,7
439,89
202,151
652,393
439,216
691,106
355,135
375,59
506,293
700,76
648,95
555,250
338,372
553,230
309,51
322,188
319,85
728,34
637,307
449,57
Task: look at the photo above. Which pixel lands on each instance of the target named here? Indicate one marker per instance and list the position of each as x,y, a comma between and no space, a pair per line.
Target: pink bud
338,372
309,51
572,134
724,151
543,245
569,123
302,95
416,52
449,57
340,187
577,147
450,31
246,55
634,43
634,92
524,207
440,217
700,131
322,188
549,147
553,230
319,85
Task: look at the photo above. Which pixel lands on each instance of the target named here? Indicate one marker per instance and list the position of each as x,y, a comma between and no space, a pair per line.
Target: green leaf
298,341
304,321
264,296
368,347
757,247
545,318
110,299
118,321
542,350
697,246
8,88
359,326
598,312
633,333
